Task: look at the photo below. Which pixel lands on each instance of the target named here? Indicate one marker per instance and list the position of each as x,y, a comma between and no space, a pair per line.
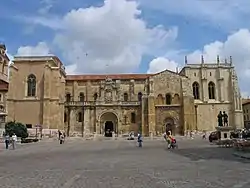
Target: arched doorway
109,123
169,125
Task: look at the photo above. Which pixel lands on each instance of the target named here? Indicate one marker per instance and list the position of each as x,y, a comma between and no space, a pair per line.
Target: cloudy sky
124,36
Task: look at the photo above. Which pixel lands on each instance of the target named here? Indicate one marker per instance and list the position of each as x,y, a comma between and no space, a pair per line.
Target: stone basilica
41,93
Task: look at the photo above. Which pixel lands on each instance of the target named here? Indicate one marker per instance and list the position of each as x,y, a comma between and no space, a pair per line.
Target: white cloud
108,38
40,49
159,64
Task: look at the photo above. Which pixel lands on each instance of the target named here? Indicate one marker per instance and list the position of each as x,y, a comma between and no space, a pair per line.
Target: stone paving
94,164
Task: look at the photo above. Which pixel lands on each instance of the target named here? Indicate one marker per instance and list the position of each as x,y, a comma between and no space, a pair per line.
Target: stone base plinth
225,132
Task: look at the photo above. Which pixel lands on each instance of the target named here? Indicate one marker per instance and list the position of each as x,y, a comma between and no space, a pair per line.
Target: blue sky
128,36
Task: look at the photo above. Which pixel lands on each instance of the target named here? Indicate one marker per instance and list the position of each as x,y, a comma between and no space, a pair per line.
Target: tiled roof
103,76
245,101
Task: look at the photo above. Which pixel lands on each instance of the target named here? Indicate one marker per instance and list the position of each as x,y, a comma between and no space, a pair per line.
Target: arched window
79,117
125,97
81,97
95,96
160,99
168,98
139,96
211,90
68,97
133,117
176,99
196,91
31,83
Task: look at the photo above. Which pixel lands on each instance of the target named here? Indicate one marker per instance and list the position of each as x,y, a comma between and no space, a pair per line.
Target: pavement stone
120,163
242,155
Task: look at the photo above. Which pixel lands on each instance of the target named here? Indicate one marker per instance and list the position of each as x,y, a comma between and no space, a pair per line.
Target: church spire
218,59
202,59
186,62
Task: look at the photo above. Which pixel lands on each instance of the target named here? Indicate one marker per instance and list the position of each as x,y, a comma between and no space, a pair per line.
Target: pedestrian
61,139
59,134
14,140
7,140
64,136
139,140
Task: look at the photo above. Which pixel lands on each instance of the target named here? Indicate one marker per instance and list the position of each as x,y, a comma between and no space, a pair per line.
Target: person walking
7,140
139,140
14,140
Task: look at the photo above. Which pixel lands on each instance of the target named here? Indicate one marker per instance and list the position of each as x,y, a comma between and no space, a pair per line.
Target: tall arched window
211,90
81,97
95,96
168,98
31,83
125,97
68,97
80,117
139,96
196,91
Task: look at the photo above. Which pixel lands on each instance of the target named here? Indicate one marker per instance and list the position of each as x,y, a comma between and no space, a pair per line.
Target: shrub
16,127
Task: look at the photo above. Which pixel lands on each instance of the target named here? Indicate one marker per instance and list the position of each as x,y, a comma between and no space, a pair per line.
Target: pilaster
47,83
75,91
143,116
151,114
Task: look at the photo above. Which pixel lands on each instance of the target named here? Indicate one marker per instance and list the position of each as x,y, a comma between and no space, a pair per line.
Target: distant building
4,84
40,93
246,112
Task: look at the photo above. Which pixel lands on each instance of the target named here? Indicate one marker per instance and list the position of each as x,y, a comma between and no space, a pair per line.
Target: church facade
41,93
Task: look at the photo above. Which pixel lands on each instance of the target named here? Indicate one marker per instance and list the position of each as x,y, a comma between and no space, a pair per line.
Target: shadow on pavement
208,153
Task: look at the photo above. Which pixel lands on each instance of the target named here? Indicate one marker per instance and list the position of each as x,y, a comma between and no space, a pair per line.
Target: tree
16,127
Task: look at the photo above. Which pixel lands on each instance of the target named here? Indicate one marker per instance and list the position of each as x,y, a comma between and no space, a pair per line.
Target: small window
80,117
29,126
133,117
168,99
1,98
210,73
125,97
81,97
68,97
195,74
139,96
65,117
95,96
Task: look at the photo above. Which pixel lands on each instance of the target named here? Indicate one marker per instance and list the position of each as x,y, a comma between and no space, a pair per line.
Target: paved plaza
108,164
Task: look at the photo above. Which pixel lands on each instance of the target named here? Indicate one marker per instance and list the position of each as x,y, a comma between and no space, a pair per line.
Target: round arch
169,125
108,123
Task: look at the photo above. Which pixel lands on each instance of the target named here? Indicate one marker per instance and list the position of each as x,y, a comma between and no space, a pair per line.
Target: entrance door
169,127
109,128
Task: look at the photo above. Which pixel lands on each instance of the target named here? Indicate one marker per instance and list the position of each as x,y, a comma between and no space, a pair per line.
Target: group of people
170,140
10,140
